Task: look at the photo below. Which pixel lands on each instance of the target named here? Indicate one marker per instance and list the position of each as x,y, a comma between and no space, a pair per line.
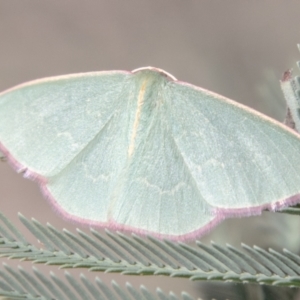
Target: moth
143,152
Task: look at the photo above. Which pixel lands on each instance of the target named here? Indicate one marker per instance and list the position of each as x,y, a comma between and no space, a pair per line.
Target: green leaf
124,254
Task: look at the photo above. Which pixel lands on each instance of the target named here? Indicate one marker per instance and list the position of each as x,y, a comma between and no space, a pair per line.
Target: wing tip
18,167
225,213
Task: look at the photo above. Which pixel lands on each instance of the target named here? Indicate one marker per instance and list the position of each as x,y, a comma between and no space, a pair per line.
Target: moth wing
158,194
242,161
82,190
44,124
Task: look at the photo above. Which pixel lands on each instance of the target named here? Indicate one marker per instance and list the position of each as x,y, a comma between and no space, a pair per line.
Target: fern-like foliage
131,255
21,284
292,210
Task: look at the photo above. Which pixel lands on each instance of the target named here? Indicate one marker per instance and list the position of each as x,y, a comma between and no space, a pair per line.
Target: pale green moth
143,152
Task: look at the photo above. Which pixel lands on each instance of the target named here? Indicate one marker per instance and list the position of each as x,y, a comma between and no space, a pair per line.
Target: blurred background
236,48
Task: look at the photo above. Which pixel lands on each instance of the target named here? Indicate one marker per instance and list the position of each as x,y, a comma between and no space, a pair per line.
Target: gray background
236,48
